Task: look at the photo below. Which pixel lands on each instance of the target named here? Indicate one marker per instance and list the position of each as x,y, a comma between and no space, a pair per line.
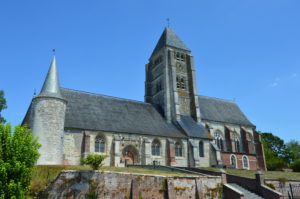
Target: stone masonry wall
48,126
96,184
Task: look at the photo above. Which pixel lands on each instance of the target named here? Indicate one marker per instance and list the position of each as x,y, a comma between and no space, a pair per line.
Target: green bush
276,164
18,154
94,160
296,166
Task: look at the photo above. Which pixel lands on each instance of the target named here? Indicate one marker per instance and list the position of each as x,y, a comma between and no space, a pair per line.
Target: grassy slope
268,174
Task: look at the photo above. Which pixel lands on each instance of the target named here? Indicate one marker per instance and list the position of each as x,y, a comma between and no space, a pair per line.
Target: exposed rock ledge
97,184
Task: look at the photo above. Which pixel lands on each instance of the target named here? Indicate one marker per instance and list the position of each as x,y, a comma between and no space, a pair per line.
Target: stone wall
115,143
96,184
48,125
285,186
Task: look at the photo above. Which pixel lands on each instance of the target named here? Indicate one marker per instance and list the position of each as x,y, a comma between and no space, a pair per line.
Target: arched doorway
130,155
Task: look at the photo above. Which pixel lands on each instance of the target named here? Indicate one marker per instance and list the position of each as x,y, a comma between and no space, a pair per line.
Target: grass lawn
43,175
268,174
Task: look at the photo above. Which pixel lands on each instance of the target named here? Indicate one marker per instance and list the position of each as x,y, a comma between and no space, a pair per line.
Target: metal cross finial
168,22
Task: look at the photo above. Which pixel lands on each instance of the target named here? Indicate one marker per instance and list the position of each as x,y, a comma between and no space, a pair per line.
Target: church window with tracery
219,140
156,148
236,143
178,149
99,144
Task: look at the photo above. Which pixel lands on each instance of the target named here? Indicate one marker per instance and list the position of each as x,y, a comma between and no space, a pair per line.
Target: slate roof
98,112
192,128
220,110
51,86
169,38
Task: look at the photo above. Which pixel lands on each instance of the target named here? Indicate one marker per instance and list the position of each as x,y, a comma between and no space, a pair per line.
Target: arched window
155,148
236,142
219,140
178,149
182,82
178,82
245,162
251,148
233,161
99,144
201,149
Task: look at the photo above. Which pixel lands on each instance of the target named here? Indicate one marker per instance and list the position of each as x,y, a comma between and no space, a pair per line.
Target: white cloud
274,84
294,75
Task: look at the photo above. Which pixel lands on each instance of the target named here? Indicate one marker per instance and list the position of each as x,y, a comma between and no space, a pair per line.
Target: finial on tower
168,22
53,50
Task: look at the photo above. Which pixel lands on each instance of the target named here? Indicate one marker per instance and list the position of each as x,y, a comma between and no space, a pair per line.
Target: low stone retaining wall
285,187
96,184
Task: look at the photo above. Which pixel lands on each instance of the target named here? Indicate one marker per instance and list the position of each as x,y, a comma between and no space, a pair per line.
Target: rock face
96,184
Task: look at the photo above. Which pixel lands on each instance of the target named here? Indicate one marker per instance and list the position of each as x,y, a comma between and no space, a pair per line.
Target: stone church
174,126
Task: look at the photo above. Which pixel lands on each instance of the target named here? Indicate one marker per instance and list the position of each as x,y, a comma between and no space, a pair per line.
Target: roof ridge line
117,98
227,100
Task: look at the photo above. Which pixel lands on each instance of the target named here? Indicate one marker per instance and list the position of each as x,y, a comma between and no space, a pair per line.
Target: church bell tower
170,79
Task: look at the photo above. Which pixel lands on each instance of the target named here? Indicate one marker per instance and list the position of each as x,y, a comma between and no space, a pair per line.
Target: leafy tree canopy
18,154
276,152
293,147
2,105
276,145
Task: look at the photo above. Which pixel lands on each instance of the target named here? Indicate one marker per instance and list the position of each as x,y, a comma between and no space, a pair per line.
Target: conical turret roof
51,87
169,38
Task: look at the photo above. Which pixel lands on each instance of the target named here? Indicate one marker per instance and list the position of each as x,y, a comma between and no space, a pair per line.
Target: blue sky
247,51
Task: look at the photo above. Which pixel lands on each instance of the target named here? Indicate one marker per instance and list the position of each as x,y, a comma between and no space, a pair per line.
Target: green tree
18,154
94,160
276,152
293,147
2,105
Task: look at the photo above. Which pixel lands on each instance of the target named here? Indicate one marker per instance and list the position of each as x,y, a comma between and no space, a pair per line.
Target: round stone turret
49,110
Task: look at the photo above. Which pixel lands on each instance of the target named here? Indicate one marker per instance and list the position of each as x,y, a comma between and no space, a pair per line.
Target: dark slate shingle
192,128
169,38
98,112
220,110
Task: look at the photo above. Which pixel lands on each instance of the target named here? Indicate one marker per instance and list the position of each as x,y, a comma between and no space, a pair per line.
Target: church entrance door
130,155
